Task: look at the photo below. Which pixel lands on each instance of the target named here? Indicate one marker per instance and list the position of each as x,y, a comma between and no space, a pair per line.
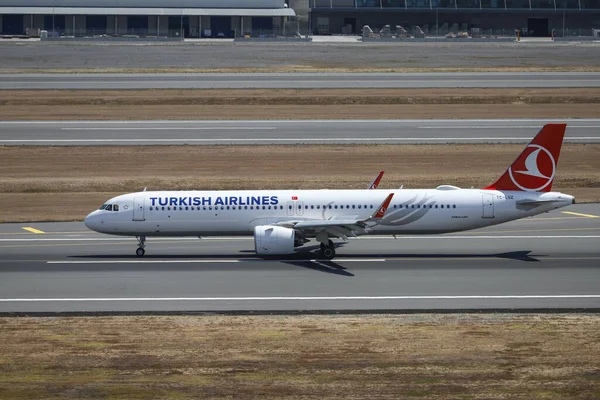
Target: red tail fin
534,169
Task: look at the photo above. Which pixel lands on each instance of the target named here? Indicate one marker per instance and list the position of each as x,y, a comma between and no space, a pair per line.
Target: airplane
282,221
375,183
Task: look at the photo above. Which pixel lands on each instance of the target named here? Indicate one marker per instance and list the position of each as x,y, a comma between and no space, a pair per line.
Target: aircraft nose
91,221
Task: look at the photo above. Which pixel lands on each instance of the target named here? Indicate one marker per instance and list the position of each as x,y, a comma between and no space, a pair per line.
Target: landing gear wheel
328,253
323,247
141,244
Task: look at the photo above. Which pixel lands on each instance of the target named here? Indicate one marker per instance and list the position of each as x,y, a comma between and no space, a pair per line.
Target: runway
550,261
315,80
88,133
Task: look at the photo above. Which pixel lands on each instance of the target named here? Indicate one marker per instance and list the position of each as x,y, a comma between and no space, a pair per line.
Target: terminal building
186,18
532,17
234,18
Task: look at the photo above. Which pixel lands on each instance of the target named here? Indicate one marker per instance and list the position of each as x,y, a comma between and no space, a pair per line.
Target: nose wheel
327,250
141,244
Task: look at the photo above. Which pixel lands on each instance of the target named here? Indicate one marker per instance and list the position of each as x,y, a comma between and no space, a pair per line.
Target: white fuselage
220,213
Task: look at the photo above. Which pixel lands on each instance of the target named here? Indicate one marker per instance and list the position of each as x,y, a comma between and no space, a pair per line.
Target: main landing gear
141,244
327,250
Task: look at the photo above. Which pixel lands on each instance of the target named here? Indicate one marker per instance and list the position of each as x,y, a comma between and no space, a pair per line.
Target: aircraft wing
340,227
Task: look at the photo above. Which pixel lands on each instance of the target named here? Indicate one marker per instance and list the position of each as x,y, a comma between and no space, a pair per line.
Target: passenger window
318,206
290,207
353,206
186,208
436,206
359,206
454,206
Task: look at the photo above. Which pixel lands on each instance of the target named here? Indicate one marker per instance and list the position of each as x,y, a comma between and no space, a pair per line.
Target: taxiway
87,133
313,80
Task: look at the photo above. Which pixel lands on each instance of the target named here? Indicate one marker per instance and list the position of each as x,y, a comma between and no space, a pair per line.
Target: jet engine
272,240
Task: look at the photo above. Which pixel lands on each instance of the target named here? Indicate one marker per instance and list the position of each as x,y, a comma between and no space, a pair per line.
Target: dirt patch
299,104
417,356
65,183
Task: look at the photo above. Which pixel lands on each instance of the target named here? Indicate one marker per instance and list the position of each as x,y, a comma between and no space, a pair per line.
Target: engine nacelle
272,240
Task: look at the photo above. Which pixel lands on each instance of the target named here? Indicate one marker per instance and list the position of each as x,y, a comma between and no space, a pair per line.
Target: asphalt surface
549,261
202,56
88,133
301,80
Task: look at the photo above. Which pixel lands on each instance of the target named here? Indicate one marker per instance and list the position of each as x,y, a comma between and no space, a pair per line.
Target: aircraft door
299,208
138,209
290,208
488,205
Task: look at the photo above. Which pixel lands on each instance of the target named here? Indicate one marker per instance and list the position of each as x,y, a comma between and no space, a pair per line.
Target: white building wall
146,3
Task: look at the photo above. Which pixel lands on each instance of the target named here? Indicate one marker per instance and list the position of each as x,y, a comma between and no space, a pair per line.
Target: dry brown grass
299,104
65,183
415,356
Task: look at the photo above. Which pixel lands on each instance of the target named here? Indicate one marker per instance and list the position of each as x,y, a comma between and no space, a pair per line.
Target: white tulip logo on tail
537,172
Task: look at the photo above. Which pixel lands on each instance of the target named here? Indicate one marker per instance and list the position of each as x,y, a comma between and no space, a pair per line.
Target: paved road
550,261
301,80
202,56
286,132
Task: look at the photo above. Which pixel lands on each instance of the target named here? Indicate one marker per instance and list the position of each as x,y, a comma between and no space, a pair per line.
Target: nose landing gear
141,244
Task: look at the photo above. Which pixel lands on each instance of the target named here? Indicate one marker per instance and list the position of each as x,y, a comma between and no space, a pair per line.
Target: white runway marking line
311,298
502,127
214,261
445,122
212,128
299,140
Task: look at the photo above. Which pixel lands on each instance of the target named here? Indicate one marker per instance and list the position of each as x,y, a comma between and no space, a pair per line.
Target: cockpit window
103,206
116,207
108,207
